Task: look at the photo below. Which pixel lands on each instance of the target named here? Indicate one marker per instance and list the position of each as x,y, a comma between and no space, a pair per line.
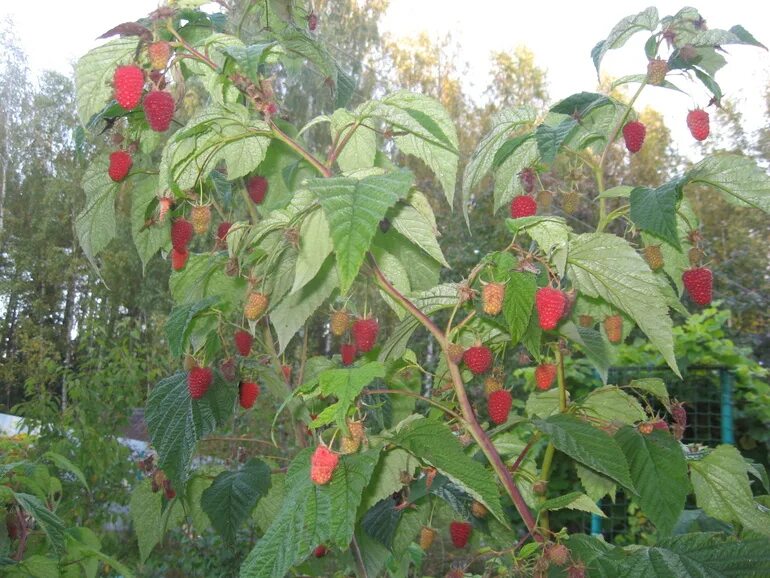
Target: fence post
726,379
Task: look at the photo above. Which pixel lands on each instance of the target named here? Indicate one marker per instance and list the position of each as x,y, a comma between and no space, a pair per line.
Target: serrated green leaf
595,484
150,519
387,477
344,384
361,146
95,225
353,211
148,240
622,31
229,500
588,445
659,473
65,464
315,244
716,37
518,303
411,224
654,211
292,313
639,78
573,501
422,271
738,178
249,58
434,443
550,233
606,266
542,403
345,492
50,523
653,385
507,182
176,422
619,192
178,324
596,349
34,566
550,138
612,404
722,490
94,72
503,124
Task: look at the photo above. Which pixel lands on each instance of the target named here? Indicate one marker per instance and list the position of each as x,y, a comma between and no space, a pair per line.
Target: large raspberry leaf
96,225
654,211
572,501
360,141
622,31
147,240
353,211
736,177
150,518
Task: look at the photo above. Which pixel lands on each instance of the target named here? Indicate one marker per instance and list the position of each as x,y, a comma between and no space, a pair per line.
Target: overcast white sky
560,33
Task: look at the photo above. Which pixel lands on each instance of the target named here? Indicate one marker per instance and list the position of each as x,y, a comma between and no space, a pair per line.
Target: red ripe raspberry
243,342
698,123
499,405
120,164
699,284
159,109
223,229
257,188
545,373
286,372
181,234
323,462
634,133
523,206
550,304
527,178
320,551
613,325
248,392
460,532
365,333
198,381
128,82
179,258
348,353
660,424
478,359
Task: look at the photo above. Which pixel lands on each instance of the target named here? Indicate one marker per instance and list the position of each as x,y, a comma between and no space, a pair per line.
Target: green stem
299,149
478,433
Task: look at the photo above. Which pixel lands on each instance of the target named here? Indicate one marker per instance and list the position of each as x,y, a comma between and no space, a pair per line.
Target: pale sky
560,33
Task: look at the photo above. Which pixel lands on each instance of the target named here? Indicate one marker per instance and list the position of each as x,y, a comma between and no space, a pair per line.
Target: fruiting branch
435,404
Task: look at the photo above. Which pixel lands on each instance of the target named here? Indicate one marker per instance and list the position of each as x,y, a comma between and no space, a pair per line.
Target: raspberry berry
339,322
320,551
120,164
545,373
312,21
653,256
323,462
634,133
248,392
558,554
550,304
523,206
493,383
460,532
478,359
585,321
478,509
256,305
613,326
427,535
159,53
365,333
198,381
243,342
257,188
527,178
159,109
656,71
179,258
222,230
698,123
499,405
492,298
200,216
570,202
348,353
699,284
128,82
181,234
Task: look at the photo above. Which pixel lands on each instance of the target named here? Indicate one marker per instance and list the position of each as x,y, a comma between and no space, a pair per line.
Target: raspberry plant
343,235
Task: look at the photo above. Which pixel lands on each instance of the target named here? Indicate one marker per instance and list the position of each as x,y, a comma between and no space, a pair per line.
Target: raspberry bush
270,237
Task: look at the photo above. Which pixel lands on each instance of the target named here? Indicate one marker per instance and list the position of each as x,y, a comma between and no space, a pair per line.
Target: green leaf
361,146
346,490
550,233
150,519
580,104
619,192
659,473
315,245
434,443
432,135
612,404
148,240
95,225
48,521
542,403
388,476
696,554
353,210
518,303
722,490
550,138
606,266
34,566
507,182
94,72
654,386
573,501
738,178
249,58
414,226
596,349
344,384
596,485
178,324
639,78
229,500
176,422
654,211
716,37
622,31
503,124
588,445
219,133
63,463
